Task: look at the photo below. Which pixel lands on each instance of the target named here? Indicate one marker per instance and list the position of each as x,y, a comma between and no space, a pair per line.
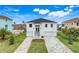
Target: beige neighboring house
18,28
71,23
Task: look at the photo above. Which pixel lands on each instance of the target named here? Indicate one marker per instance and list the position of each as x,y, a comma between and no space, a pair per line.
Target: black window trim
46,25
51,25
30,25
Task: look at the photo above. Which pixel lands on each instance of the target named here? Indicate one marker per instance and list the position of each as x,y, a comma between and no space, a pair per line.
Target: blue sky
58,13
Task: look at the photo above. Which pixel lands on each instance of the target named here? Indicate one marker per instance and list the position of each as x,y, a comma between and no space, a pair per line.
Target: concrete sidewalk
55,46
23,48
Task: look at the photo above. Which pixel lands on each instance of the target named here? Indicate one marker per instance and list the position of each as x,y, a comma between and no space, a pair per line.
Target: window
45,25
6,26
77,24
30,25
62,25
51,25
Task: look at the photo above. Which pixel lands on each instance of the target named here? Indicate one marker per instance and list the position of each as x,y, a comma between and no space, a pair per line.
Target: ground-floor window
77,24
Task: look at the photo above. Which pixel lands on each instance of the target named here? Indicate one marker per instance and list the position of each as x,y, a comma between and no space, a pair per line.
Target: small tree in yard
3,33
72,34
11,40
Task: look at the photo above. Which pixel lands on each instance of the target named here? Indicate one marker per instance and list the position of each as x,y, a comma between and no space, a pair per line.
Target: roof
72,20
19,26
39,20
4,17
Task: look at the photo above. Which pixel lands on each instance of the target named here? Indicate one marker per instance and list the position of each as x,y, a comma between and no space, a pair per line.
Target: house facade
6,23
40,28
72,23
18,28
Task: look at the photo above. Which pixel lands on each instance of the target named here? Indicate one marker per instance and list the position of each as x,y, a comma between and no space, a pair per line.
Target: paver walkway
52,43
23,48
55,46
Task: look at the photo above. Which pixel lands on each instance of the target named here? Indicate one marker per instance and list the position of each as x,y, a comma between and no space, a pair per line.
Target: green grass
37,46
6,48
62,37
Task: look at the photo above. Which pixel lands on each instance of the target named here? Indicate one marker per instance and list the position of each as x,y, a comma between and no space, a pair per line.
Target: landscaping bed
6,47
63,38
37,46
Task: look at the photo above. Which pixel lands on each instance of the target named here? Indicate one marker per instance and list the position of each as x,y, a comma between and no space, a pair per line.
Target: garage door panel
30,33
49,33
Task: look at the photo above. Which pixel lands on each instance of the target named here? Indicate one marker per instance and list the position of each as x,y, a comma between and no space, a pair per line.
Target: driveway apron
55,46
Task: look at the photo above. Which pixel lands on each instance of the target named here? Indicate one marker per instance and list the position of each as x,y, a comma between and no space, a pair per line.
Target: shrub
61,35
3,33
72,34
11,40
65,30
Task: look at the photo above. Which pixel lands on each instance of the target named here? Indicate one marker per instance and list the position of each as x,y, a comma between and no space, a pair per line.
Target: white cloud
41,11
36,10
17,16
9,9
70,10
16,10
58,13
71,6
66,8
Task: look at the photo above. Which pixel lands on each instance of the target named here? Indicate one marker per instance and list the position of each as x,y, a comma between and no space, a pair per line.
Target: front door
37,31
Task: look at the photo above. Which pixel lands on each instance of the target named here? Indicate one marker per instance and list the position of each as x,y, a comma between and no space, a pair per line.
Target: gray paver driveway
55,46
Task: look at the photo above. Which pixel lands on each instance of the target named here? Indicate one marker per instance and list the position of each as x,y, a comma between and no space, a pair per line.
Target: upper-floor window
77,24
45,25
51,25
30,25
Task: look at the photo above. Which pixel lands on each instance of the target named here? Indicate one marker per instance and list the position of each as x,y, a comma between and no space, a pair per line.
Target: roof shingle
41,20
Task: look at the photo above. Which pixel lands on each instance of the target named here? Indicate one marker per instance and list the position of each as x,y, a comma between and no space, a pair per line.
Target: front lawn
62,37
6,48
37,46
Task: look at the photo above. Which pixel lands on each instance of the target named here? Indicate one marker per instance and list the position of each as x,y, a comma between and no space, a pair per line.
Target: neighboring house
40,28
18,28
71,23
6,22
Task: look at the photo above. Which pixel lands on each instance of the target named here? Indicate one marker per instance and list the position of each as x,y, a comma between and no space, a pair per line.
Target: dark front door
37,30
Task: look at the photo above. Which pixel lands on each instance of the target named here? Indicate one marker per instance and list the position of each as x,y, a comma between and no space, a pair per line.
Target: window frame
51,25
46,25
30,25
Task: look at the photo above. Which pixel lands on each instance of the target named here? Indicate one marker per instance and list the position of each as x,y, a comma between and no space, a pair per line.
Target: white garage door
29,33
49,33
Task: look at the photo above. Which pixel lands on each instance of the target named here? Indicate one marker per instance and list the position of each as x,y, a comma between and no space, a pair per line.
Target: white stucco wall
46,32
49,31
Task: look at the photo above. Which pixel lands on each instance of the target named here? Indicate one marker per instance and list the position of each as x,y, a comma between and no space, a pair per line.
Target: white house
40,28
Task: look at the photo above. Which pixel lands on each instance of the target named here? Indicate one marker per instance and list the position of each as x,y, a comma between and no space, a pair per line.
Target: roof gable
5,17
72,20
40,20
